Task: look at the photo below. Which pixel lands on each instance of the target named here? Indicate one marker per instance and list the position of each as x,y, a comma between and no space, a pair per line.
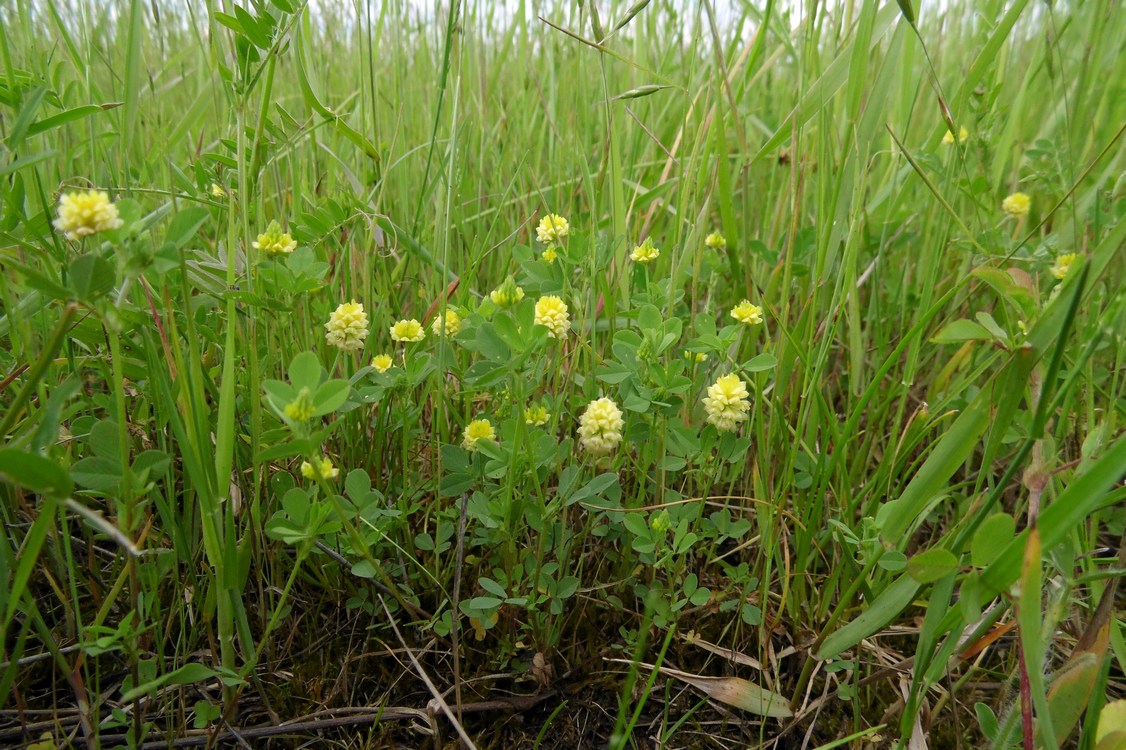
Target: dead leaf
734,691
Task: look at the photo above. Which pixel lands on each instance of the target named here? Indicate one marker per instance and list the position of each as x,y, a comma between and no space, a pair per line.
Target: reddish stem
1025,700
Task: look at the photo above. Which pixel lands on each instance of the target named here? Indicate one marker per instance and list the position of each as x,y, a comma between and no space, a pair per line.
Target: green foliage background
934,447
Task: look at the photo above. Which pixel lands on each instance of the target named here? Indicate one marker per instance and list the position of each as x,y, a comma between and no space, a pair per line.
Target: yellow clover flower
301,408
1017,204
1063,264
536,416
695,356
549,255
507,294
323,469
727,402
645,252
82,214
274,241
347,327
407,330
476,431
217,190
746,313
715,241
963,136
660,522
449,324
552,313
600,427
552,228
382,362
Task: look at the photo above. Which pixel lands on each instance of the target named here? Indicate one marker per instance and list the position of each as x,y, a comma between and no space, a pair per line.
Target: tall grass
908,537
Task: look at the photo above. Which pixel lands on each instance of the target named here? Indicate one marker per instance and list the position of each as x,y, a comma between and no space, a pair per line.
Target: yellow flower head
727,402
552,313
746,313
448,324
475,431
715,240
217,190
301,408
1017,204
507,294
274,241
549,255
600,427
536,415
645,252
660,522
322,469
382,362
963,136
695,356
407,330
82,214
552,228
347,327
1063,264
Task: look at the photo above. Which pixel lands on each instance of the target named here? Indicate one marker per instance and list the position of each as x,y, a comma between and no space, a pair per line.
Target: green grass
932,456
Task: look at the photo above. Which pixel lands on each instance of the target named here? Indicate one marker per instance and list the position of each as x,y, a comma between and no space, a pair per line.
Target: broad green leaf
254,31
759,363
330,397
104,440
492,587
931,565
593,488
315,104
185,224
67,116
25,161
885,608
150,463
1111,733
36,473
357,484
484,603
185,675
962,330
991,538
1007,288
96,473
1072,688
90,276
25,118
1061,518
948,455
305,371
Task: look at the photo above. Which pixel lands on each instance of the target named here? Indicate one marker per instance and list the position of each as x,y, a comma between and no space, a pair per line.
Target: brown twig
427,681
